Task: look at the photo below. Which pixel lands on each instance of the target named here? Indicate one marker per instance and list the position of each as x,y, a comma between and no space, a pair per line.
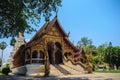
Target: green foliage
95,60
84,42
1,74
119,68
113,56
109,54
3,45
6,70
12,42
109,71
101,53
17,15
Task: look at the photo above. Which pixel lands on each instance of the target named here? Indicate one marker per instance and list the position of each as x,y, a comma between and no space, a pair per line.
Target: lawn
1,74
110,71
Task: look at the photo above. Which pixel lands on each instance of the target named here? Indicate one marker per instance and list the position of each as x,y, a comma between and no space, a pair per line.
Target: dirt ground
94,76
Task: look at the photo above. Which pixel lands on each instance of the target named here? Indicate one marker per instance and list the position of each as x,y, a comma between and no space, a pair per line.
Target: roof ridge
47,26
37,33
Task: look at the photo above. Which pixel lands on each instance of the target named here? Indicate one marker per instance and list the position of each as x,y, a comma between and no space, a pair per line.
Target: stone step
76,67
61,69
35,69
54,71
71,70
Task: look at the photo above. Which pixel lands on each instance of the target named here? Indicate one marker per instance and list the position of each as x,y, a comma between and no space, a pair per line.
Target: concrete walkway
94,76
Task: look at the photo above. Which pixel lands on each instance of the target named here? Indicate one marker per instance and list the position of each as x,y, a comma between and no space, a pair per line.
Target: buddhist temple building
49,46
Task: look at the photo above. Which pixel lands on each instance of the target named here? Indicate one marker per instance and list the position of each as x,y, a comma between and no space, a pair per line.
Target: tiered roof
45,28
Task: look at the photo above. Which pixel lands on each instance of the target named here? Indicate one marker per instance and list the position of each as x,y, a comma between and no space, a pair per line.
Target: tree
17,15
101,53
108,54
84,42
3,45
113,56
95,61
12,42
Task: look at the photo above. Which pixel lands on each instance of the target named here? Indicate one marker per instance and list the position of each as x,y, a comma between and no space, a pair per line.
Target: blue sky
99,20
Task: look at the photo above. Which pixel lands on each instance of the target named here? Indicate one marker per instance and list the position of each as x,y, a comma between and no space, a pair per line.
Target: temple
48,47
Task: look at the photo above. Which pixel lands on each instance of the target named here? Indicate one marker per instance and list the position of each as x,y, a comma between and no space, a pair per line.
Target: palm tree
3,45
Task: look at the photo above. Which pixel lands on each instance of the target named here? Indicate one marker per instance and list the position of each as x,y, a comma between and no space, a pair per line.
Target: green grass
110,71
1,74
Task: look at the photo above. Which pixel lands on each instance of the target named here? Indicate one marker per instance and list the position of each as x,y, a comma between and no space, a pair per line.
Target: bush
6,70
119,68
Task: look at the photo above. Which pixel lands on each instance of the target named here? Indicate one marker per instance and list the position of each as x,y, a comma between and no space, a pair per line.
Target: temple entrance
58,53
55,53
50,46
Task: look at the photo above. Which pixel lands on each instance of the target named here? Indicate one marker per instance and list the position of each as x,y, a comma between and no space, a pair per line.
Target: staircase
61,69
54,71
71,70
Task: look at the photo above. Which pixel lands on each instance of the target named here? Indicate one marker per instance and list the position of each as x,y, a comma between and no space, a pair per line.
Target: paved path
94,76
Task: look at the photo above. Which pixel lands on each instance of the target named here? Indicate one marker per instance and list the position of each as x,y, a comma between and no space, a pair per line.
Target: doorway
55,53
58,53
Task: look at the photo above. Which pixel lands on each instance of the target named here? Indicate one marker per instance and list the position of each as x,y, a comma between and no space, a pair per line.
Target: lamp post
3,45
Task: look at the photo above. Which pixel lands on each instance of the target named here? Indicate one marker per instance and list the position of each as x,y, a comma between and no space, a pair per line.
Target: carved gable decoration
49,28
55,29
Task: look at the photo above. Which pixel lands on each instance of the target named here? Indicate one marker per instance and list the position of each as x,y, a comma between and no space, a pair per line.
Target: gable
46,29
55,31
56,28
